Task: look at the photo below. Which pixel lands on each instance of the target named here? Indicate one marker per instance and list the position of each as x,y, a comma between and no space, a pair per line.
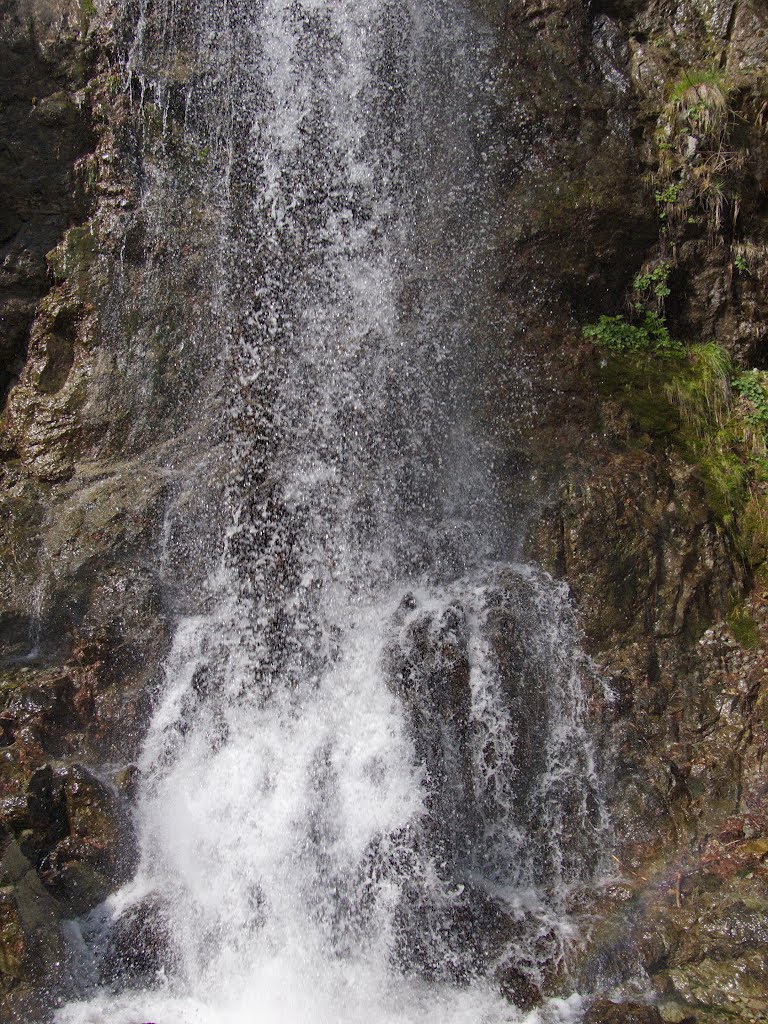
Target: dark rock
95,856
46,131
47,808
32,947
139,945
429,669
517,987
605,1012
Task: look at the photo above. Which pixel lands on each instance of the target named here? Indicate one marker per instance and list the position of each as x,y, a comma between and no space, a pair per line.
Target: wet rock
429,669
95,854
139,946
725,932
748,37
611,51
517,987
92,807
46,131
44,702
32,946
71,876
47,809
730,986
640,549
605,1012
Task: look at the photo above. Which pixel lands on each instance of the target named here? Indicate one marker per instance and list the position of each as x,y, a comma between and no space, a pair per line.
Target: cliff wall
631,153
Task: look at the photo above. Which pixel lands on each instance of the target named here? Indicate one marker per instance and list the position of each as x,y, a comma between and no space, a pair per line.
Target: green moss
743,628
87,11
637,382
73,258
725,477
690,402
753,532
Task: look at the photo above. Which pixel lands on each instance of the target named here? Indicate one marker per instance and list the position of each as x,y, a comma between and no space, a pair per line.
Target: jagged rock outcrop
86,472
657,561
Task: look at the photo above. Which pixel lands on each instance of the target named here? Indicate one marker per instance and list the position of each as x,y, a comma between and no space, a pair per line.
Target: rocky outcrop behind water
660,535
92,480
606,173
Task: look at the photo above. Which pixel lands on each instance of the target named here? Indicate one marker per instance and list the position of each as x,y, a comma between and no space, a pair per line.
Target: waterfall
367,787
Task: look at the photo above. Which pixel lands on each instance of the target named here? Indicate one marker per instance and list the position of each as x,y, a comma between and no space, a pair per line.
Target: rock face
659,566
628,138
490,678
93,472
47,64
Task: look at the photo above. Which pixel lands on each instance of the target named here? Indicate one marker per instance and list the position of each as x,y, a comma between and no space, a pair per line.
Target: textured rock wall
95,448
670,590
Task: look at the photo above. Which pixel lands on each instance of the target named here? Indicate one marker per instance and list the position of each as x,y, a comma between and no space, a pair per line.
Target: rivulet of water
367,785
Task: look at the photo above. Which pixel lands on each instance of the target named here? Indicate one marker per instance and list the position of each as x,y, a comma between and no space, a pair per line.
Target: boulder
603,1011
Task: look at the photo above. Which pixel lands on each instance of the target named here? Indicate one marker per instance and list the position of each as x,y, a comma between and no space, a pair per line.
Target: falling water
367,786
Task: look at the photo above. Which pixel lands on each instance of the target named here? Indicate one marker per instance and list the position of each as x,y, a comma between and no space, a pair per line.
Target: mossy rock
753,530
733,988
637,382
75,253
13,946
743,628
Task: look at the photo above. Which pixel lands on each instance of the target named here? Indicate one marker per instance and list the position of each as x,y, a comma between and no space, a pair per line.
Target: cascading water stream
367,784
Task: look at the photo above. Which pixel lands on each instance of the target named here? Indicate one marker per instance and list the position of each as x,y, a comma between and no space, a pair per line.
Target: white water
367,786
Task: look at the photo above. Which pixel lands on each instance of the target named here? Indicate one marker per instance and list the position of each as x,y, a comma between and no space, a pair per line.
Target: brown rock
605,1012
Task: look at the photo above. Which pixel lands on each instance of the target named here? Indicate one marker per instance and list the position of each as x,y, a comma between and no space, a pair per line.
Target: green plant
668,193
699,101
750,257
752,385
711,435
702,393
113,84
651,336
710,78
693,397
696,160
654,279
740,263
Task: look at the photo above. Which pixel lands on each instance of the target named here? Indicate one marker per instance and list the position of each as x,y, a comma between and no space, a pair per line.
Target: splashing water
367,785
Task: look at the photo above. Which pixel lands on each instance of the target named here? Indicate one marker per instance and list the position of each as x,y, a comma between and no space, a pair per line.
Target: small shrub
667,194
654,279
753,385
740,263
651,336
699,101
